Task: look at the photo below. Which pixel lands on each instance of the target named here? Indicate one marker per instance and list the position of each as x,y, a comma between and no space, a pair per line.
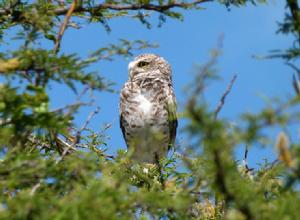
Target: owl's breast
143,104
145,112
145,120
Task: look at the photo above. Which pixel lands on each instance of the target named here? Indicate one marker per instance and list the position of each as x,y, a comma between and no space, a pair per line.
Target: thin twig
76,140
222,100
70,106
246,153
91,115
98,151
37,142
64,26
84,91
34,188
245,163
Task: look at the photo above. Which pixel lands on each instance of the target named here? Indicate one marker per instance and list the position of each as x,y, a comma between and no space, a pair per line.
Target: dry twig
64,26
76,139
222,100
35,188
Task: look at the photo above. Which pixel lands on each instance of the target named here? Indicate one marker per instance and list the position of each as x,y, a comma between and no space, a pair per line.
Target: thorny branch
62,10
89,118
222,100
76,138
68,142
64,26
151,7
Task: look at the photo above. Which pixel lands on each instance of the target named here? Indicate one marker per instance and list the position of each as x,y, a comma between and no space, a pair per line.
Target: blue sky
247,31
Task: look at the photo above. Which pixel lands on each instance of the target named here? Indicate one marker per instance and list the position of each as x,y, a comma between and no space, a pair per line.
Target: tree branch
221,184
222,100
150,7
76,139
64,26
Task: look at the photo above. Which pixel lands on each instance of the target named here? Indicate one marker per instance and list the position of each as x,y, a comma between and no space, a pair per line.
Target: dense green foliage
50,169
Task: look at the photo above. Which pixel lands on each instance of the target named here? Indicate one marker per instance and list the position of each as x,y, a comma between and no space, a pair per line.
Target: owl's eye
142,64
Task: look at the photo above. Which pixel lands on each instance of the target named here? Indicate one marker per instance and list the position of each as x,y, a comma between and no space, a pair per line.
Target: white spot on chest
144,104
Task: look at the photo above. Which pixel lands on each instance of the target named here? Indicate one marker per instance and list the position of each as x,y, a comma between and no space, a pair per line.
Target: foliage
50,169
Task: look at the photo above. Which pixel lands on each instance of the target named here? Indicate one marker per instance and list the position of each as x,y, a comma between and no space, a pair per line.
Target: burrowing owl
148,108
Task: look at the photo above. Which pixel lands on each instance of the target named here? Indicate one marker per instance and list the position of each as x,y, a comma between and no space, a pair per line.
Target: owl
148,109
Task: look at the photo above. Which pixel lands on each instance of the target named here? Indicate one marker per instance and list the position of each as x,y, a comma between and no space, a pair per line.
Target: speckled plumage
148,108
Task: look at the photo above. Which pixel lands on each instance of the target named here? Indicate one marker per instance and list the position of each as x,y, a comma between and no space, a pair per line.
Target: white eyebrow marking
130,65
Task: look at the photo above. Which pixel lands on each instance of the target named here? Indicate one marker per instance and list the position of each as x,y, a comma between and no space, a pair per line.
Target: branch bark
222,100
64,26
150,7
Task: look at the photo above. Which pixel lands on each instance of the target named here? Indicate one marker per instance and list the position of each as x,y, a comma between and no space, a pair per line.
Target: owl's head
148,66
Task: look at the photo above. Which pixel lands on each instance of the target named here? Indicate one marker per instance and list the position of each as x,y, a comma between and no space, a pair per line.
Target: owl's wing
122,126
172,117
123,122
